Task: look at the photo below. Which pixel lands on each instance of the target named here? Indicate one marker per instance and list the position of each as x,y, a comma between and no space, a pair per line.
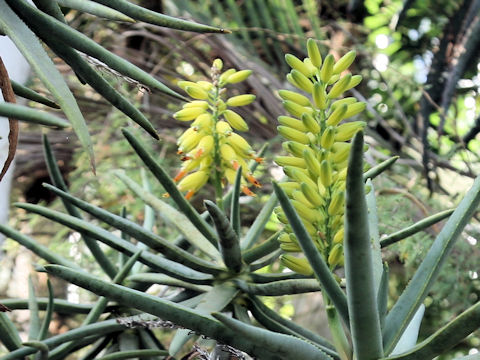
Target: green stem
336,330
217,161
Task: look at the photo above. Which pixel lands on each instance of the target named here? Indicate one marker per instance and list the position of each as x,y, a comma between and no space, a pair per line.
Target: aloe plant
220,287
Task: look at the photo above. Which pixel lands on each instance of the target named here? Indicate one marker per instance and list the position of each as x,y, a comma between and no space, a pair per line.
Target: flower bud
310,123
294,148
314,53
339,87
205,85
346,131
292,122
311,193
338,238
241,100
340,151
336,255
304,211
299,196
240,145
225,75
188,114
218,63
328,137
193,181
298,175
290,161
337,115
313,165
196,103
344,101
325,173
203,121
222,127
289,187
302,81
235,120
312,70
204,147
227,153
333,79
292,134
295,109
295,97
336,204
299,265
344,62
297,64
327,68
239,76
354,81
196,92
319,96
354,109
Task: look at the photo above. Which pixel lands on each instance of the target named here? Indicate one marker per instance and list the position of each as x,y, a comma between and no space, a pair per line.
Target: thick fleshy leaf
34,325
361,294
411,298
30,115
41,22
261,250
155,278
378,169
95,9
320,268
48,312
32,50
9,335
280,288
374,236
235,204
410,336
29,94
60,305
155,18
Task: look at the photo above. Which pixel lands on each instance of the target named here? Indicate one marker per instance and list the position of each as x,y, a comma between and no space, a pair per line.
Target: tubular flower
318,147
210,145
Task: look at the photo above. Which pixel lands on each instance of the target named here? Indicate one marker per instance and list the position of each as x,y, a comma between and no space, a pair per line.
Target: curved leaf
378,169
261,250
410,335
30,115
29,94
280,288
95,9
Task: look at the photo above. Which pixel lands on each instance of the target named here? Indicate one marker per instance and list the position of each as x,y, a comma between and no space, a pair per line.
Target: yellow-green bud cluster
210,142
318,147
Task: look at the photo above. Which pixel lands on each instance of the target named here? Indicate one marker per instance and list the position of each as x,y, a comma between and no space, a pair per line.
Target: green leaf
280,288
48,313
415,228
8,333
152,17
227,238
258,226
42,23
29,94
374,236
261,250
382,295
320,268
235,204
62,306
361,294
120,355
157,262
280,345
446,337
95,9
30,115
377,170
28,44
155,278
57,179
40,347
176,218
34,325
154,241
166,310
170,187
416,291
410,335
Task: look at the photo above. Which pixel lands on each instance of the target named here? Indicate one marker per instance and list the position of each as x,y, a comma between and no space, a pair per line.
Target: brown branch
8,96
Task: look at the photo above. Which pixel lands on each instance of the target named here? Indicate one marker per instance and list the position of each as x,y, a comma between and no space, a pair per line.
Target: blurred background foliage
420,63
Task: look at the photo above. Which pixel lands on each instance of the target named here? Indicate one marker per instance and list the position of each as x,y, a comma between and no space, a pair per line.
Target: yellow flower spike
292,122
239,76
182,84
292,134
346,131
303,82
218,64
227,153
235,120
188,114
203,121
337,115
241,100
337,204
295,109
319,96
344,101
189,132
354,81
355,109
312,70
297,64
339,87
298,175
189,142
225,75
336,255
294,148
290,161
326,173
290,247
222,127
328,137
240,145
299,265
196,103
205,85
197,92
310,123
314,53
194,181
312,194
326,71
313,165
295,97
304,211
344,62
338,238
300,196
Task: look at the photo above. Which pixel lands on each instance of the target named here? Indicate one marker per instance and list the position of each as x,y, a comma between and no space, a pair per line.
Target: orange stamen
179,176
199,153
253,181
259,159
185,158
166,195
235,164
189,194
